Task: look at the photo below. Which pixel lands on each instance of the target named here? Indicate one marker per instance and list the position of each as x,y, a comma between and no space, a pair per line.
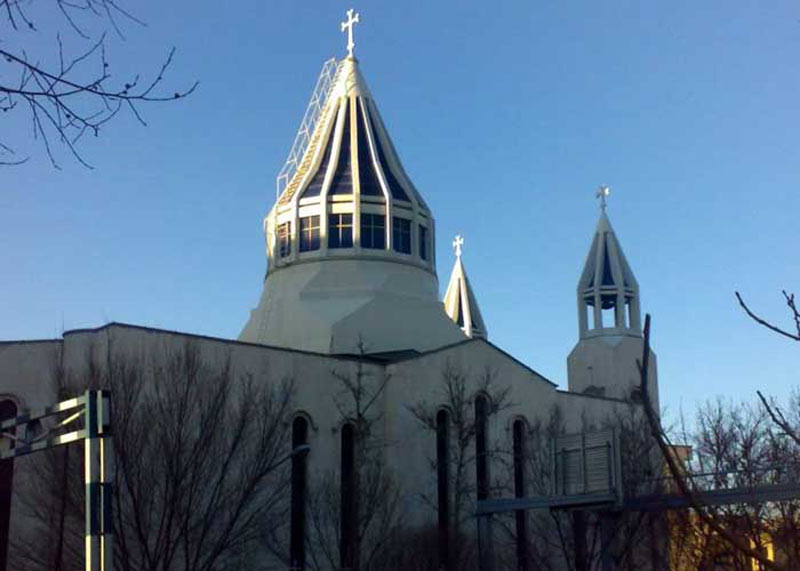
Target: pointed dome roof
459,300
608,292
351,133
350,241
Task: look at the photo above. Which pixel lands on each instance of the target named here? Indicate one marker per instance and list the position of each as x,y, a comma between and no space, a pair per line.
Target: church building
351,311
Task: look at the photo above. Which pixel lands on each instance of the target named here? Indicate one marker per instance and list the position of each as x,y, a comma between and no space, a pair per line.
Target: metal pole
97,479
91,478
106,480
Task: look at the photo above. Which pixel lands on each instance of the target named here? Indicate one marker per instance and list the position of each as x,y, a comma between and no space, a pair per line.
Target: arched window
443,485
297,545
349,506
519,492
8,409
481,446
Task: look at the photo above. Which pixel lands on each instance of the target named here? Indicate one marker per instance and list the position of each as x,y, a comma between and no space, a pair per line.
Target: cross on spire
458,243
348,25
603,193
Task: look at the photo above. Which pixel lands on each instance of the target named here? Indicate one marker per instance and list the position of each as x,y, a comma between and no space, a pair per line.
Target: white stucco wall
410,448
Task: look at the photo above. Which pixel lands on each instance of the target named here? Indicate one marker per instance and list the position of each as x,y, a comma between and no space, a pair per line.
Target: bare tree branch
66,102
792,307
778,418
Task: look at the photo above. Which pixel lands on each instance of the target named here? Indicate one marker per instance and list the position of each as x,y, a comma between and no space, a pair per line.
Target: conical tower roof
459,300
606,265
608,293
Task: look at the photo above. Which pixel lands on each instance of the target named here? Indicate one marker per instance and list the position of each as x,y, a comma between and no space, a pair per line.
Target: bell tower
603,363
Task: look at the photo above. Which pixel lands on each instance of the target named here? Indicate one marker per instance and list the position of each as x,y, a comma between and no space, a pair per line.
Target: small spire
458,243
352,19
603,192
459,299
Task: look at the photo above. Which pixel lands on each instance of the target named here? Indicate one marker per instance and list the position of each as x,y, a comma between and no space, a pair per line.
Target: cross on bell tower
348,25
603,193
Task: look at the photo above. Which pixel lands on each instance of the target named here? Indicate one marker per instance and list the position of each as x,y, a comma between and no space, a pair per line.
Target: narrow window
342,181
8,410
394,186
315,186
309,233
348,497
519,492
401,235
373,231
298,515
369,184
481,441
340,231
423,242
443,485
285,239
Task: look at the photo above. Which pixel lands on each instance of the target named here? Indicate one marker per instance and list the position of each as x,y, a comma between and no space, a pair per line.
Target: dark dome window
315,186
373,231
285,239
342,182
340,231
401,235
309,233
423,242
368,178
394,186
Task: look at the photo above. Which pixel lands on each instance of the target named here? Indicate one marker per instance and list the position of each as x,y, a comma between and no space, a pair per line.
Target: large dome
350,242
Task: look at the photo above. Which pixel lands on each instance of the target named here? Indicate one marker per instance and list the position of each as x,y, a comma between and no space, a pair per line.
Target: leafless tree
200,456
579,539
71,91
710,519
378,514
784,435
549,537
458,394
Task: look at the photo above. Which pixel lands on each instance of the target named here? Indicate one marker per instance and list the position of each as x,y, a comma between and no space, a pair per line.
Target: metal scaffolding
310,120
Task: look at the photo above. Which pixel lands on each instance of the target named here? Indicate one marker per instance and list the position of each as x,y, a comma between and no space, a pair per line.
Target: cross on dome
352,20
603,193
458,243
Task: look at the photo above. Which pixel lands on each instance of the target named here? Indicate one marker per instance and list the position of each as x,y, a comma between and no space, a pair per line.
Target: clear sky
507,115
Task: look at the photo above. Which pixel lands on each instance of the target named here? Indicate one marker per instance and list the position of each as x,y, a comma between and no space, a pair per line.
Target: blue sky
507,115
